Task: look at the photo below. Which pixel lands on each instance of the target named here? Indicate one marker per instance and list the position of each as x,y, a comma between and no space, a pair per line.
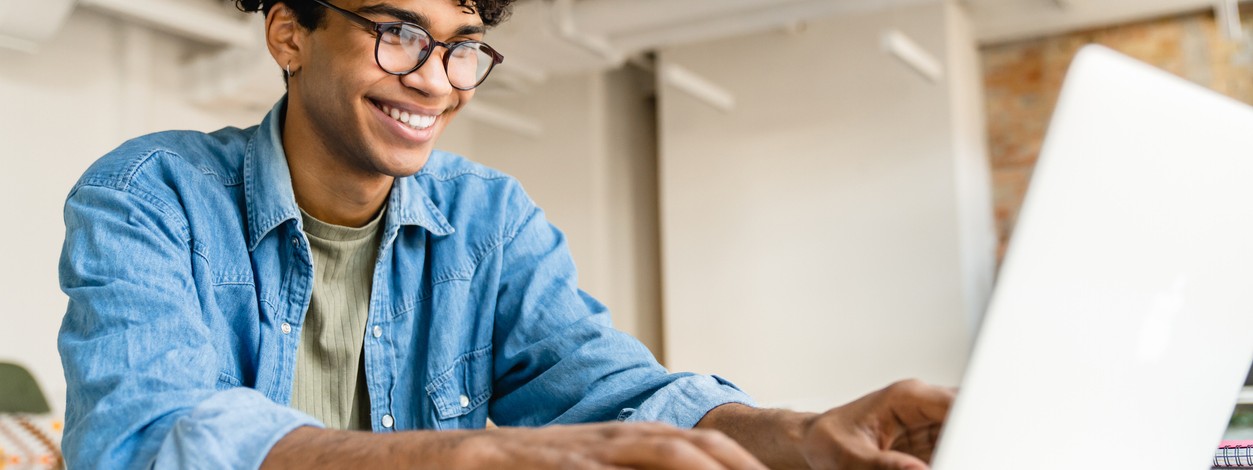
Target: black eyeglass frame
380,27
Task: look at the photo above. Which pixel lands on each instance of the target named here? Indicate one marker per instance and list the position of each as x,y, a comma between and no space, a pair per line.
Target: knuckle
613,431
907,387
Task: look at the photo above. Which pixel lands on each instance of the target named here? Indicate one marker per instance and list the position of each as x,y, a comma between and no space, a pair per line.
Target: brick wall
1023,80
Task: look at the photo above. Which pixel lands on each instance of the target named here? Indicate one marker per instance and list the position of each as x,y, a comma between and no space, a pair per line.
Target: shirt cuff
233,429
687,400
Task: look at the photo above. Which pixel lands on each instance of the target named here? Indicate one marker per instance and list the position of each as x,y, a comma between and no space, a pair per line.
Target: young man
261,297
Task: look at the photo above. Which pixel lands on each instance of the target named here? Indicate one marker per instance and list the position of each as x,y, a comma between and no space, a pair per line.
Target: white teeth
416,121
421,122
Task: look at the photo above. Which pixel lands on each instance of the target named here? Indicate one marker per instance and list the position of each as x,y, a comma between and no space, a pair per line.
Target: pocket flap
464,386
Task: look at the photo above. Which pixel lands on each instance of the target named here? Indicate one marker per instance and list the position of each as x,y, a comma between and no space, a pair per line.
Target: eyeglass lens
402,47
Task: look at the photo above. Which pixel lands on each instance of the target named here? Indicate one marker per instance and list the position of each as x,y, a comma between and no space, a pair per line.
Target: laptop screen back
1121,329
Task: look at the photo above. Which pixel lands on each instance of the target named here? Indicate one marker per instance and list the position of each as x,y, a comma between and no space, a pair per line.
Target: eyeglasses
400,48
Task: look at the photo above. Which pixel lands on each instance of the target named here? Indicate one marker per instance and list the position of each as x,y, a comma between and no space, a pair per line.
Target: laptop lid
1121,329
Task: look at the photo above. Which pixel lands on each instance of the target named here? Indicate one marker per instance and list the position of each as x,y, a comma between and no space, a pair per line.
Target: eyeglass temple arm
497,57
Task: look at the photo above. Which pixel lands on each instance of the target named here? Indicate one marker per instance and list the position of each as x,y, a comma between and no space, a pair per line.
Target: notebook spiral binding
1232,454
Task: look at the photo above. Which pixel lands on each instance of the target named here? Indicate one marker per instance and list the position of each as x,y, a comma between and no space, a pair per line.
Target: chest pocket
459,393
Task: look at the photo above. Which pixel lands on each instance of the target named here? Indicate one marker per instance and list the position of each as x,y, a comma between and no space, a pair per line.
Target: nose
430,79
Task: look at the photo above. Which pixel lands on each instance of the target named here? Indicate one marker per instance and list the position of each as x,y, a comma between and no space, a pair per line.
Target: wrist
454,449
794,429
774,436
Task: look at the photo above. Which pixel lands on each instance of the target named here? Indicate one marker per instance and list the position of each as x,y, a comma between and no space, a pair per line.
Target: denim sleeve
139,362
558,360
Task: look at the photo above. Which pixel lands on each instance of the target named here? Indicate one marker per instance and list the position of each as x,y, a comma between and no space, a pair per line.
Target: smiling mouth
414,121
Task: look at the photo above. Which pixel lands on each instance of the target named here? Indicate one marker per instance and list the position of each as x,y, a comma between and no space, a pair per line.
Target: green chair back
19,393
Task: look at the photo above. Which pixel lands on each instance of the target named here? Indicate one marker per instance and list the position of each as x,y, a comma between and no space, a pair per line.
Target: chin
406,164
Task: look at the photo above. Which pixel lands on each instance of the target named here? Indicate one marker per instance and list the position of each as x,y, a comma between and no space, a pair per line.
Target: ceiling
610,29
999,21
548,37
554,37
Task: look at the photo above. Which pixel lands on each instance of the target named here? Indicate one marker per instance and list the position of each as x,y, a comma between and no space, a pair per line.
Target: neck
327,186
337,202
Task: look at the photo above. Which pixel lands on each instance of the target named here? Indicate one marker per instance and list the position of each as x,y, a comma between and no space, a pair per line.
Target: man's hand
592,447
892,429
895,428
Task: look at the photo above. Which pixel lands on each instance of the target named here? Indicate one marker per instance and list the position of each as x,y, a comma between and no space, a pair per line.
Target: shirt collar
271,201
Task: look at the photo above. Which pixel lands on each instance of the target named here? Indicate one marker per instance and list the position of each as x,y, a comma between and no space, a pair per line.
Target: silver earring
289,70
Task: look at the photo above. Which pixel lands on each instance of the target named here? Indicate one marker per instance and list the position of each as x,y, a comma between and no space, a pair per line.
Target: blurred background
808,197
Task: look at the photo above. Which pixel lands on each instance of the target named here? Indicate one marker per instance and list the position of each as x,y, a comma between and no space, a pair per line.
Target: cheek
343,76
325,104
462,99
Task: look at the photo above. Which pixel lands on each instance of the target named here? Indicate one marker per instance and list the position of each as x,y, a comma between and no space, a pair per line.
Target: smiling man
328,290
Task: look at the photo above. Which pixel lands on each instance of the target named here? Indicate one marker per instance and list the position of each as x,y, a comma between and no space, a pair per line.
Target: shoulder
471,194
164,172
164,158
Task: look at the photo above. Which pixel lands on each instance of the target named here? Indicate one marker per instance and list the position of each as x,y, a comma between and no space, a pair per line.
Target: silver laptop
1121,330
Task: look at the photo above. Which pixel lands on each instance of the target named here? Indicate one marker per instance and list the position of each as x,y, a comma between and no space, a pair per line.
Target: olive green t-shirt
329,382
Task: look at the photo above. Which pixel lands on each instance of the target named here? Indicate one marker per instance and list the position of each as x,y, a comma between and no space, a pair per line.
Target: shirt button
295,242
388,421
378,331
465,401
286,328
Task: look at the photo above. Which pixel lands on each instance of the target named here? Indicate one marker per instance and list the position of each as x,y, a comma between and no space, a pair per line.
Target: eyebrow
419,19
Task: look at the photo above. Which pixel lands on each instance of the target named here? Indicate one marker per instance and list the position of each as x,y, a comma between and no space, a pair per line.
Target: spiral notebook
1234,454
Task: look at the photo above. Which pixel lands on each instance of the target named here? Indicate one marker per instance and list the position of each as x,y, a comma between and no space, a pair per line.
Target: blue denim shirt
188,276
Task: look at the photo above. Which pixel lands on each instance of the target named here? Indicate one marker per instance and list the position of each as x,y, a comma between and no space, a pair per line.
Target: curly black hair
309,14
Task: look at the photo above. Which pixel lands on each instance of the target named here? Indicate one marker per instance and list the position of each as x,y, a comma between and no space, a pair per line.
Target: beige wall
812,244
593,171
976,223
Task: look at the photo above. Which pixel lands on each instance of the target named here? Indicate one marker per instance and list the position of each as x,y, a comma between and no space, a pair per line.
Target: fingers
919,442
892,460
914,413
605,447
916,403
657,452
725,450
581,462
660,446
895,428
918,412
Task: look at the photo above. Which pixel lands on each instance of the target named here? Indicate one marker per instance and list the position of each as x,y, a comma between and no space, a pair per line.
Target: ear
285,37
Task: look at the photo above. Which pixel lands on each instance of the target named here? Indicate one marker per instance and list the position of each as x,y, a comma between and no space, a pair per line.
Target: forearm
309,447
773,436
